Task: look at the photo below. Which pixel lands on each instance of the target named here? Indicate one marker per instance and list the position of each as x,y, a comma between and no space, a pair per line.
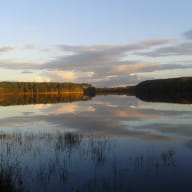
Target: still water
107,143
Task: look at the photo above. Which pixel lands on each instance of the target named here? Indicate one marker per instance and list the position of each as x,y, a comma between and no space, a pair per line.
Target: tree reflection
26,99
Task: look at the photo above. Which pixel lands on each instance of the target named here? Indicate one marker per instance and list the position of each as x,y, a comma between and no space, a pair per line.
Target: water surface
107,143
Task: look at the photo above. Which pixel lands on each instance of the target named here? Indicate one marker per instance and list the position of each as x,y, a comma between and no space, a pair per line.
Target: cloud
145,67
61,75
29,46
6,49
19,64
67,75
135,67
117,48
38,79
99,59
101,65
172,72
188,34
26,71
85,58
175,50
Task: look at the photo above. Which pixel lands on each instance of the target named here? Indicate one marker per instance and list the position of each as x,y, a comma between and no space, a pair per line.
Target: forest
41,87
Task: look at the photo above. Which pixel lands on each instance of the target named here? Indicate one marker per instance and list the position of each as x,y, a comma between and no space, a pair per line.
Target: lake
105,143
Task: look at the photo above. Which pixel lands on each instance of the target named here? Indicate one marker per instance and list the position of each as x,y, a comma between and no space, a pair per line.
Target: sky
102,42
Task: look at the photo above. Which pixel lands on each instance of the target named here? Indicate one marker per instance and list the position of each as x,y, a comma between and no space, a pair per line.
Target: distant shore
176,90
173,90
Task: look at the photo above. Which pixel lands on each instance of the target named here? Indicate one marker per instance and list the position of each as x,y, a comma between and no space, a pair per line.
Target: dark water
109,143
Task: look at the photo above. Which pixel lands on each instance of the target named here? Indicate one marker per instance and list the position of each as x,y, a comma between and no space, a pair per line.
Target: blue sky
103,42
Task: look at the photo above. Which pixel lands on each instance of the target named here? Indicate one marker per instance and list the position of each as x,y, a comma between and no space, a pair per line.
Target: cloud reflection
112,116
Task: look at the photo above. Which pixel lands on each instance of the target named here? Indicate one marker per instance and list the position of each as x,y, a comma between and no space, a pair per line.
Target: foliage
44,87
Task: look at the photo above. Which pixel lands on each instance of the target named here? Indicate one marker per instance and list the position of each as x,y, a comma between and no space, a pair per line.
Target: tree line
41,87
